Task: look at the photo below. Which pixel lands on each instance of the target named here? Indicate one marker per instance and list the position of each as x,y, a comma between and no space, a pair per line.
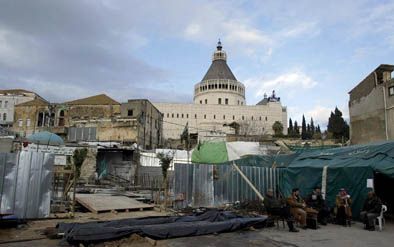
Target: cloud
289,82
303,29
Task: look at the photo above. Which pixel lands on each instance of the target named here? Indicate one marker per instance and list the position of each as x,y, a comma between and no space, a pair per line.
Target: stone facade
219,101
8,99
98,119
371,107
149,120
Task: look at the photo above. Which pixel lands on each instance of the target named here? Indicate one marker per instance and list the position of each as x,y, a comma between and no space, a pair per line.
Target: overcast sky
311,52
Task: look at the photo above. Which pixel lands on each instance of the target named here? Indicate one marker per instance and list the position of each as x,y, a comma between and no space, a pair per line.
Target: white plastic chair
380,219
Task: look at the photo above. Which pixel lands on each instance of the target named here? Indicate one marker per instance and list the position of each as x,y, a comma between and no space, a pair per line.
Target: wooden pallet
98,203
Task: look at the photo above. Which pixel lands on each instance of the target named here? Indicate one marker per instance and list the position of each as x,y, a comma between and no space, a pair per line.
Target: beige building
371,107
8,99
97,118
219,103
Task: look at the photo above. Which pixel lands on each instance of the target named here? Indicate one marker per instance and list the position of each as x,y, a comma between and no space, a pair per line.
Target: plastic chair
380,219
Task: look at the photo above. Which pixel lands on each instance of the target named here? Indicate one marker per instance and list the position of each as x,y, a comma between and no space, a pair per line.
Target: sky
312,53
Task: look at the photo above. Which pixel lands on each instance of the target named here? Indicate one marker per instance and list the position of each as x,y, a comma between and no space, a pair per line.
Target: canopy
46,138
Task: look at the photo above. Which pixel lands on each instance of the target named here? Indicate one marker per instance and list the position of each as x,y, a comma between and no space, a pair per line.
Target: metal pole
248,181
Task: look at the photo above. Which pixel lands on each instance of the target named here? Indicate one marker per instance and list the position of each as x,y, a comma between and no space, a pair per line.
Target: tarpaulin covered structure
163,227
345,167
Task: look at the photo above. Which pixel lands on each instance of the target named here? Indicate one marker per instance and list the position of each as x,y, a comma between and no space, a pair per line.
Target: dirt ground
330,235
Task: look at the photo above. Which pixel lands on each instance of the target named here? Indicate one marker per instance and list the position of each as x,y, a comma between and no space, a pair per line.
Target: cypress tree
303,133
290,130
296,129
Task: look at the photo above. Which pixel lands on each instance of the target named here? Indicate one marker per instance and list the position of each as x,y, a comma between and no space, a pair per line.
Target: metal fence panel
199,185
26,180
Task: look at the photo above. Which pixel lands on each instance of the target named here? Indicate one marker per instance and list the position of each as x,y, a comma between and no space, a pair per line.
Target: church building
220,107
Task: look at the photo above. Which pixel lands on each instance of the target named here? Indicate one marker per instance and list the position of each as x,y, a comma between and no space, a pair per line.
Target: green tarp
210,153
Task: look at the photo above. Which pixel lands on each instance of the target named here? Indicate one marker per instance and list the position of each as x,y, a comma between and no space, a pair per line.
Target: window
243,118
177,115
4,116
238,102
205,116
195,116
260,118
182,115
130,113
252,117
214,116
20,122
266,118
226,101
224,116
391,91
233,117
28,122
168,115
187,115
206,101
201,102
1,103
220,101
172,115
5,104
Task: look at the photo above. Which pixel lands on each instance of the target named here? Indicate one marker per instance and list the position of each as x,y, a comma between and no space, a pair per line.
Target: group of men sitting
314,210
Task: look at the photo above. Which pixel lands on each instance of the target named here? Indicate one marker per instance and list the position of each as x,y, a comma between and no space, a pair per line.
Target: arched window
61,118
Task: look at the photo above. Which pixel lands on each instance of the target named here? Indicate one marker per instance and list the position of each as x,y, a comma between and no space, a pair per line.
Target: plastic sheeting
212,221
26,181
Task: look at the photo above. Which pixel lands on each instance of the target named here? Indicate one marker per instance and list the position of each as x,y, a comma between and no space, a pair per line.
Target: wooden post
248,181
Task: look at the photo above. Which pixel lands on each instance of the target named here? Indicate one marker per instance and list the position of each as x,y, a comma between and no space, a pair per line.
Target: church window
266,118
172,115
187,115
216,86
201,102
214,116
260,118
220,86
220,101
226,101
177,115
182,115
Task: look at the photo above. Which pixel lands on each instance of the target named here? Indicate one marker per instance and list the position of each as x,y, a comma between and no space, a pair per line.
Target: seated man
299,209
371,210
315,200
278,208
343,210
